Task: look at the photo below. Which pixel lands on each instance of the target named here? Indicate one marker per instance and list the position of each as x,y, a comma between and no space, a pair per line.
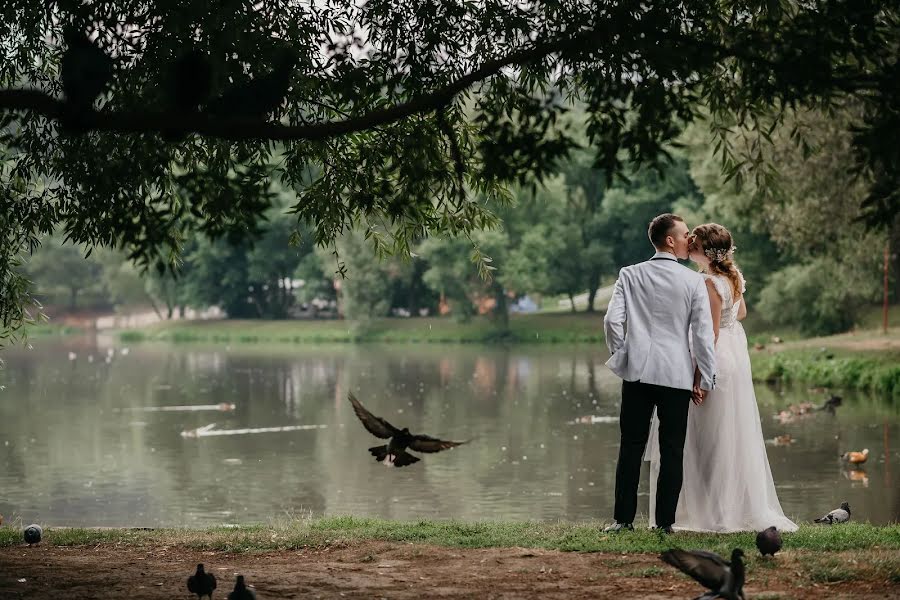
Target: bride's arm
715,306
742,309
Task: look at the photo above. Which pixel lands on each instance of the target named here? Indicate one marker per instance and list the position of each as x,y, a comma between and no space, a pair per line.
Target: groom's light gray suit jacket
656,306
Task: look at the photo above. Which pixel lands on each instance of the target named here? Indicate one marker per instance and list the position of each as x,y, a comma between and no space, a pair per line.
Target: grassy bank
577,537
865,360
536,328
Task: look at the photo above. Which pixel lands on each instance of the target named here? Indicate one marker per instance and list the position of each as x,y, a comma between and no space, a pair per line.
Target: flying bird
838,515
241,591
394,453
768,541
201,583
856,458
722,579
260,97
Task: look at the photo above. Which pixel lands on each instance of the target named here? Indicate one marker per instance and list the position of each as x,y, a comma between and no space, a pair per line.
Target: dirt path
383,570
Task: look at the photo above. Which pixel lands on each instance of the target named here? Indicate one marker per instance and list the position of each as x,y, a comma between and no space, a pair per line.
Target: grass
535,328
875,372
573,537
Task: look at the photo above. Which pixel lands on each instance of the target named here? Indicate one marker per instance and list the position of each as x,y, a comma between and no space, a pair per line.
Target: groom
655,307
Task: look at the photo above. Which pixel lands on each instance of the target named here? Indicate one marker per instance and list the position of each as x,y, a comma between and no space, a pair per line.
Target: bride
727,480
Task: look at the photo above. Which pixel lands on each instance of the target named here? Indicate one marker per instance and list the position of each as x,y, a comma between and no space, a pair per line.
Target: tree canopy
138,124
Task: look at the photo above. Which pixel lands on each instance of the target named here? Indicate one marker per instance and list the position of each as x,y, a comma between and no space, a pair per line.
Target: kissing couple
676,340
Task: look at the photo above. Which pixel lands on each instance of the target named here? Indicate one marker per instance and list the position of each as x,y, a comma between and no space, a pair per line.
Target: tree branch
251,129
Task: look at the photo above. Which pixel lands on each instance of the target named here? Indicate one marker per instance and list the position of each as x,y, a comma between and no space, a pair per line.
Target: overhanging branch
250,129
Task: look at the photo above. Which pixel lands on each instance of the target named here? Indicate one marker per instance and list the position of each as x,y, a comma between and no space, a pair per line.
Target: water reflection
76,449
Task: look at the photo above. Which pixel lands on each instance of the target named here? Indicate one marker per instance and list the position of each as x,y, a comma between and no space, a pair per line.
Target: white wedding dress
727,480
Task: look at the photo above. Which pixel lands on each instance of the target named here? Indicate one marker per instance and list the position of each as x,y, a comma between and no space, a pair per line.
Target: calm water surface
78,445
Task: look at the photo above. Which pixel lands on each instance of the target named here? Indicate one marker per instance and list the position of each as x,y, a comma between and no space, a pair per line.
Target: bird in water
394,452
768,541
857,458
723,579
201,583
241,591
832,403
259,97
85,71
838,515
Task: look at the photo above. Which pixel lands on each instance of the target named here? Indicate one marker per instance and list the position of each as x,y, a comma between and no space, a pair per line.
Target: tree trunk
894,256
572,301
73,297
501,309
155,307
593,286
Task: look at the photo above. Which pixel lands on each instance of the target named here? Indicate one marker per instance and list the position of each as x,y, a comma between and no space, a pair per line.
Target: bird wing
706,568
425,443
376,425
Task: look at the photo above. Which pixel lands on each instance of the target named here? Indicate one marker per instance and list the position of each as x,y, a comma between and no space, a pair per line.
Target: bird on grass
838,515
32,534
723,579
768,541
259,97
241,591
856,458
85,71
394,452
201,583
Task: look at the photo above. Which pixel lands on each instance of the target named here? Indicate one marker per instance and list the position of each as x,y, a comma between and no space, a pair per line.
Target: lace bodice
730,308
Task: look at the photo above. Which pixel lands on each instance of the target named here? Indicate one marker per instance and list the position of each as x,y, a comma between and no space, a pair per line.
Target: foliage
414,116
63,272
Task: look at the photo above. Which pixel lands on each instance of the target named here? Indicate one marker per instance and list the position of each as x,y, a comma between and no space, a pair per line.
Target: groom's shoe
666,530
618,527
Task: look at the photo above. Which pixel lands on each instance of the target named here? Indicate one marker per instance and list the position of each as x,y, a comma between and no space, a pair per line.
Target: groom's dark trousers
638,400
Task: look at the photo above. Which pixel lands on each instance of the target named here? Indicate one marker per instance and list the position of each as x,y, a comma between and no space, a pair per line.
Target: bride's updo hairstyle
715,242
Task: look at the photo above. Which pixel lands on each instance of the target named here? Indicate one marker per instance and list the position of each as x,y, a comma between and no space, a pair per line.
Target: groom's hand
698,395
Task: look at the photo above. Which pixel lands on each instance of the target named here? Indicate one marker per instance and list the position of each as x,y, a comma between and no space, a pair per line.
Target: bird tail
822,520
400,459
404,458
379,452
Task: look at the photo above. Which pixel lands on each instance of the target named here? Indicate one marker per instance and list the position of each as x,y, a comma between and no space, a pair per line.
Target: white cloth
657,308
727,482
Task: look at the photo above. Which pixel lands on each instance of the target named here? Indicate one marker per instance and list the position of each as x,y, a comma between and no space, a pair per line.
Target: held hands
698,394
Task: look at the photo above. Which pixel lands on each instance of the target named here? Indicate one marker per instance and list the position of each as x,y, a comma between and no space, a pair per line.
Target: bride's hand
697,396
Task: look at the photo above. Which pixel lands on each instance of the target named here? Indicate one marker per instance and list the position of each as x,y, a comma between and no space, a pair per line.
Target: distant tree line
808,260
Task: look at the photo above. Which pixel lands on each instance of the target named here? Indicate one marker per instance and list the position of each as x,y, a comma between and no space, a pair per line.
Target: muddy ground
386,570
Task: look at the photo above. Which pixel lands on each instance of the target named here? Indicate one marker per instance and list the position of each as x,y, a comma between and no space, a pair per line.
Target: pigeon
85,71
856,457
838,515
201,583
33,534
394,453
831,404
188,85
241,591
723,579
768,541
259,97
189,81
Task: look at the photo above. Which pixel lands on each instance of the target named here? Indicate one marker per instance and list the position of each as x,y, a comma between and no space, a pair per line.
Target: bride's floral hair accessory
719,254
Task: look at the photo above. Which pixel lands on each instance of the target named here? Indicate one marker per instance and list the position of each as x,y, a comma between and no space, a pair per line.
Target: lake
97,434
